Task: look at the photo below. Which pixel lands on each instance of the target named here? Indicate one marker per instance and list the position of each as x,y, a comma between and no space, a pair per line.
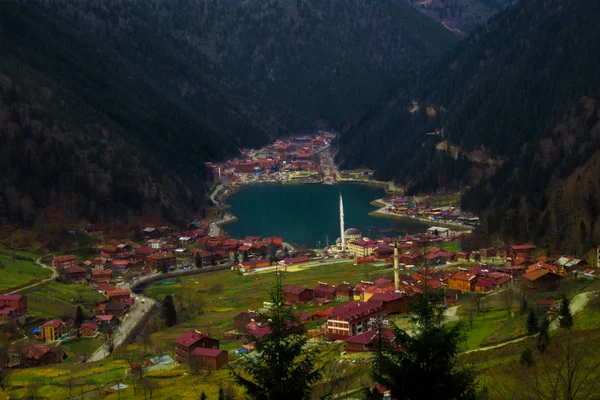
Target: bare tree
566,370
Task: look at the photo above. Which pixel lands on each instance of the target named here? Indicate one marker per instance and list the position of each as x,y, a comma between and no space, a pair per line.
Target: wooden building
297,295
208,359
352,318
189,341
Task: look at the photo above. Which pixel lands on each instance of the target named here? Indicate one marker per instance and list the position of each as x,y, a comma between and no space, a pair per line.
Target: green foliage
510,93
169,312
79,316
427,365
544,335
564,314
532,323
281,367
524,306
527,358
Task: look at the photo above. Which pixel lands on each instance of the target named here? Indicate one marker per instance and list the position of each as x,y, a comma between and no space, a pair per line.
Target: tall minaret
342,223
396,266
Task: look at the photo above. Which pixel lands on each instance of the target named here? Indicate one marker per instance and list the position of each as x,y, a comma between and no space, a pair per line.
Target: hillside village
341,311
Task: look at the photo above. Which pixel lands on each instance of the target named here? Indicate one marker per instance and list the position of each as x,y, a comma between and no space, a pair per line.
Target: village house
463,281
64,262
74,275
208,359
101,276
412,258
51,330
118,295
543,306
186,343
88,330
7,314
17,303
540,280
33,355
144,252
115,309
324,291
161,261
393,301
344,291
369,340
522,252
108,321
241,321
297,295
352,318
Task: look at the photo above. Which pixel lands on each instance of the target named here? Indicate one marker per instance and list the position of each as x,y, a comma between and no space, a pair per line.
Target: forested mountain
110,109
499,102
460,16
327,59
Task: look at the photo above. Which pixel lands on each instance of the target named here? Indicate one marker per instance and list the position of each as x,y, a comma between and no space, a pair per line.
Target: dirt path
38,262
577,304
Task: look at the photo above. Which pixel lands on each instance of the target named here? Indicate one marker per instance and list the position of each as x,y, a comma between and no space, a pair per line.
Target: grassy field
19,272
491,327
56,299
241,293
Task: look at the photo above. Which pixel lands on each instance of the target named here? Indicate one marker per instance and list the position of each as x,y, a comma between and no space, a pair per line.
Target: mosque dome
352,232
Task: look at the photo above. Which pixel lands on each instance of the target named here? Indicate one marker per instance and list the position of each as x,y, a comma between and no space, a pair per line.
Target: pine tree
221,393
524,306
169,312
564,315
426,367
203,396
544,336
79,316
281,368
531,323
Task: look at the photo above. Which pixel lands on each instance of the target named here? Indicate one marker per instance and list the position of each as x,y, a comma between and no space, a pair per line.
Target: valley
205,199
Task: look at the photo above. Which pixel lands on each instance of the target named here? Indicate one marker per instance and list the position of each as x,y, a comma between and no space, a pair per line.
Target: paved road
130,321
214,193
53,277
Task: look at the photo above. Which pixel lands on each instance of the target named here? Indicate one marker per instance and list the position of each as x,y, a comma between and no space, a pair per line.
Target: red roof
55,323
294,289
325,288
11,297
354,309
89,325
145,250
118,292
371,336
188,339
523,247
75,270
295,260
387,296
7,310
201,351
484,283
65,258
104,318
244,248
537,274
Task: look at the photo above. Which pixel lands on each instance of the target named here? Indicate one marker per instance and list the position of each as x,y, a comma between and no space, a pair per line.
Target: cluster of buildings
200,351
284,160
425,209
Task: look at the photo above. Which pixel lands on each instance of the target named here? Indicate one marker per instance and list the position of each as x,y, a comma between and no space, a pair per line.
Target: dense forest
460,16
110,110
492,108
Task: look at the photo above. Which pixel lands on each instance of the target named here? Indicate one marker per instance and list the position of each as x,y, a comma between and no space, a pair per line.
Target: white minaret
342,223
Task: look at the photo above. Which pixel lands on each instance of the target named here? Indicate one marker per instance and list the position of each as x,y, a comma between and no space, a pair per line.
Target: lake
307,214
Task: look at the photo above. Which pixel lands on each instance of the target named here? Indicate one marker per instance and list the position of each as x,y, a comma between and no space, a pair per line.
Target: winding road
53,277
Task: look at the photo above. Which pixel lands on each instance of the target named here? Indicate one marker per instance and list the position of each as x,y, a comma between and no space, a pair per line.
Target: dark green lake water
305,214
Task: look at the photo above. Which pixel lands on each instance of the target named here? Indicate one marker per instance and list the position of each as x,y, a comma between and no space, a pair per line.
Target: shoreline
382,214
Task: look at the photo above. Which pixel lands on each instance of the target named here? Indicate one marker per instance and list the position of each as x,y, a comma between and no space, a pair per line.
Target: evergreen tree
79,316
544,336
169,312
564,315
426,367
281,368
524,306
221,393
531,323
202,396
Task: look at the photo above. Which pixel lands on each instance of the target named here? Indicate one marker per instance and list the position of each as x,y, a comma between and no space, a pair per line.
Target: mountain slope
326,59
460,16
498,98
110,110
86,132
